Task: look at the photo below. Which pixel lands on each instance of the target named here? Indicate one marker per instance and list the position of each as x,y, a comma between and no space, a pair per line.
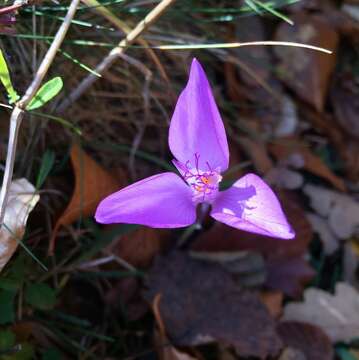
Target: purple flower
197,140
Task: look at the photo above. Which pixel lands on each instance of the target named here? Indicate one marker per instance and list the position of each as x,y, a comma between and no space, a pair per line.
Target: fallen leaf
285,266
247,267
140,246
311,162
345,102
224,353
284,178
337,315
351,264
257,152
273,300
307,72
341,210
320,226
352,10
22,199
346,147
289,275
92,184
165,350
201,303
292,354
309,339
288,120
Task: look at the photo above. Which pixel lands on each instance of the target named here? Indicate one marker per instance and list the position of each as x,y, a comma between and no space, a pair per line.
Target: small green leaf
6,81
7,313
47,164
40,296
46,93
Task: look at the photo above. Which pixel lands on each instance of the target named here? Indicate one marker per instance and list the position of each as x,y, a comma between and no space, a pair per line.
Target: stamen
203,182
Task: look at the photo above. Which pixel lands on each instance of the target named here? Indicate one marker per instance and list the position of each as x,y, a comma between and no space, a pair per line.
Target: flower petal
196,125
161,201
252,206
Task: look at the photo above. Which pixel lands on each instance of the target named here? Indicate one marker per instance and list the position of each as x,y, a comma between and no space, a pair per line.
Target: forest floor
71,288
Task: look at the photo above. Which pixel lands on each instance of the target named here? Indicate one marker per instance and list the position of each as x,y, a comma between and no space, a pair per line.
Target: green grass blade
32,255
6,80
271,10
47,164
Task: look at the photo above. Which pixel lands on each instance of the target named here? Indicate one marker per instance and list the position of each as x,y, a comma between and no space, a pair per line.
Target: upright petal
196,125
160,201
252,206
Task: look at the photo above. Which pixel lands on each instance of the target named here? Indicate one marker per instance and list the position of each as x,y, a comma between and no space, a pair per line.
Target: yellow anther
205,180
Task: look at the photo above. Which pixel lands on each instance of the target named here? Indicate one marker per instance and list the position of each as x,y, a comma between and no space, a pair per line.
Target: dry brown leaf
140,246
273,300
307,338
345,101
292,354
258,154
247,267
201,303
307,72
166,351
289,275
346,147
337,315
311,162
92,184
22,199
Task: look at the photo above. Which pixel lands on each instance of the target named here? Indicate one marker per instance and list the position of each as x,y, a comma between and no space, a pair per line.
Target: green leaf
7,313
6,81
47,91
7,340
40,296
47,164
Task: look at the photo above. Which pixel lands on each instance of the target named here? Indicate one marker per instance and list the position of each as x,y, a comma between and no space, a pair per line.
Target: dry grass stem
115,53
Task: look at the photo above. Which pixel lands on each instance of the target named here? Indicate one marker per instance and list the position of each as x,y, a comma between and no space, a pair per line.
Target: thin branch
18,111
49,57
115,53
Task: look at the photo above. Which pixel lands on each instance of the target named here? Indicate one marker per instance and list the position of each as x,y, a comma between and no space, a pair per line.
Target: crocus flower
198,142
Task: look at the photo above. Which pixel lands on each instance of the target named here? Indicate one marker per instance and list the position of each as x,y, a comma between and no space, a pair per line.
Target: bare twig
18,111
115,53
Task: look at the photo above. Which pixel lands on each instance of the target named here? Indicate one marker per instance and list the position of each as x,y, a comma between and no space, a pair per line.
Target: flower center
204,183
